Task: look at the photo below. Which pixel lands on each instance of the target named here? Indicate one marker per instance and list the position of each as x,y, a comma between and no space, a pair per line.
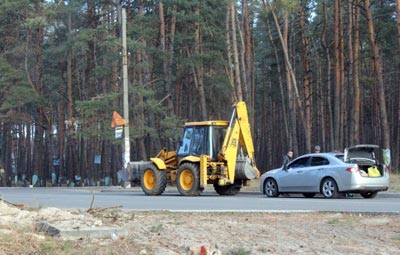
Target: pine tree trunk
70,161
327,92
34,49
143,77
356,79
396,151
293,141
91,64
247,46
237,81
60,131
350,89
199,72
7,150
280,82
21,152
291,77
337,124
378,73
165,59
171,56
305,55
29,168
343,95
229,69
248,55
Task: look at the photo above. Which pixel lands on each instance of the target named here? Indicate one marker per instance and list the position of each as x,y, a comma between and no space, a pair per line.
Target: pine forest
312,72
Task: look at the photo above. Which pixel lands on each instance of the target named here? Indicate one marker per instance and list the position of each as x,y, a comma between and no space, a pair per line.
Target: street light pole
127,147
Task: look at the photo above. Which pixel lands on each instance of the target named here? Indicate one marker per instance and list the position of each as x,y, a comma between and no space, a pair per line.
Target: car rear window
319,161
340,156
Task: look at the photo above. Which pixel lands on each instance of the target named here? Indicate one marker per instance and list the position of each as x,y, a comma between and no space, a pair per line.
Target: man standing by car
286,159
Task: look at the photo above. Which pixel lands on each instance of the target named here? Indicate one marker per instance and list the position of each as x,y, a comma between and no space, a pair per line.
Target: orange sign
117,120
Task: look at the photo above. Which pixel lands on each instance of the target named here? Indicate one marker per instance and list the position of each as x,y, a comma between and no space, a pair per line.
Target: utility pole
127,156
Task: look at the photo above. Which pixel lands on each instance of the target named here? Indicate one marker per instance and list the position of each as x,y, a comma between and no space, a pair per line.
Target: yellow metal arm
238,135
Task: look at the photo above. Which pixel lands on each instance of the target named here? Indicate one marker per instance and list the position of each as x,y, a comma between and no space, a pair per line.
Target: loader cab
204,137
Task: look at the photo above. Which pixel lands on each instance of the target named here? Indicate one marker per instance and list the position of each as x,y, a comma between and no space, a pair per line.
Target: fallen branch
91,203
96,210
13,204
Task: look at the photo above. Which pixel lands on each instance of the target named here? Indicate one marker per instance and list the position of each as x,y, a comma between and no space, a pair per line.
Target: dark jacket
286,160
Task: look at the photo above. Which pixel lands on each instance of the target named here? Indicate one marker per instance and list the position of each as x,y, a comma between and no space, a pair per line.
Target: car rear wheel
369,194
309,195
329,188
271,188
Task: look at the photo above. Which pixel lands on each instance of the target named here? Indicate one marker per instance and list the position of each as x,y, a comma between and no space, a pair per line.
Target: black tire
309,195
329,188
369,194
188,179
271,188
228,190
153,181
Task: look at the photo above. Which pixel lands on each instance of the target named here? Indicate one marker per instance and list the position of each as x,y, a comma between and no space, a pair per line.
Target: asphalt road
135,199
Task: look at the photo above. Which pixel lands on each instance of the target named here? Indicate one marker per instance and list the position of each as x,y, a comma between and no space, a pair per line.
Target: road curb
389,194
383,194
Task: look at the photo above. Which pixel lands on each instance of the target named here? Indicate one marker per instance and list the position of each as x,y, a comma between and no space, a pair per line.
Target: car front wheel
271,188
369,194
329,188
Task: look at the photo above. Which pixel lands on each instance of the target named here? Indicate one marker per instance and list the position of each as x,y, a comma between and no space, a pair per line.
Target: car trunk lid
362,152
364,156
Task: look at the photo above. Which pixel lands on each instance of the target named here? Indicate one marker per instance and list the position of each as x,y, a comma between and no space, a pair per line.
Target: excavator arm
238,140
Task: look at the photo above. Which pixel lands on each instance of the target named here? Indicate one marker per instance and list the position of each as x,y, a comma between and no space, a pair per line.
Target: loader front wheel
188,179
153,181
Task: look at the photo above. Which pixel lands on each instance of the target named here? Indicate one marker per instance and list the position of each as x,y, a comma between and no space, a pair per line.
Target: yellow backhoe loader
210,152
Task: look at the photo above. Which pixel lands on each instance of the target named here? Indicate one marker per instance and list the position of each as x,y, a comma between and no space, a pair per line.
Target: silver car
331,174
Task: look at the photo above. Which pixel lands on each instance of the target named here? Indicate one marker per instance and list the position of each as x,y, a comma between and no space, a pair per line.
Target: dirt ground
198,233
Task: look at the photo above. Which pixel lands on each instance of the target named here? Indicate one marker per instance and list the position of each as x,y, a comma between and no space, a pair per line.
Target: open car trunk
364,156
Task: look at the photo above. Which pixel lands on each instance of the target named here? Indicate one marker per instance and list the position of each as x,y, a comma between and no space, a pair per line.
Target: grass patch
157,228
394,183
240,251
333,222
396,238
341,222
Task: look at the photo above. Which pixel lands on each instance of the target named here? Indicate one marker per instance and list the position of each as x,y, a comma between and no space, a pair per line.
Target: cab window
185,143
193,141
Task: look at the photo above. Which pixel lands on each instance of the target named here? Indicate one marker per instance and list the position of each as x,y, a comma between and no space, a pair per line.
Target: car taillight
353,169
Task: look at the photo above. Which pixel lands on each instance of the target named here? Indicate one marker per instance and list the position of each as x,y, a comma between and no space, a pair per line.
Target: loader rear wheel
228,190
153,181
188,179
